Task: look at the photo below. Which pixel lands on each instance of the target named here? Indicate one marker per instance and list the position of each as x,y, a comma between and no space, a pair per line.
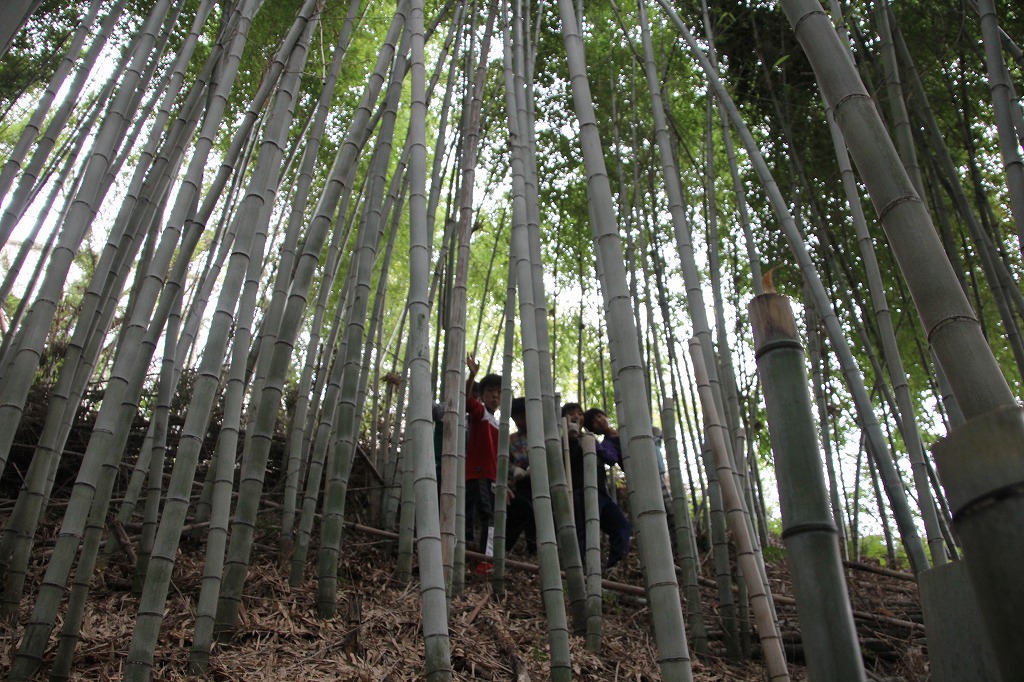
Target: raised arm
473,364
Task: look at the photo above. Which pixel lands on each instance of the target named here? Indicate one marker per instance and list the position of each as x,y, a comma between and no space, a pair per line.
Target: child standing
481,455
519,517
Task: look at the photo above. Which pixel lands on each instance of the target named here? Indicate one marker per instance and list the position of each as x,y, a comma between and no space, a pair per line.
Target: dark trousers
479,512
519,519
613,522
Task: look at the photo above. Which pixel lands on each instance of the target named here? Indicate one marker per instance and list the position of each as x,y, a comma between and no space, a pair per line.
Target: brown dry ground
376,636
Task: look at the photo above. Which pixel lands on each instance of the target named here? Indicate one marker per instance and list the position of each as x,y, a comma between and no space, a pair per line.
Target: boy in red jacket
481,454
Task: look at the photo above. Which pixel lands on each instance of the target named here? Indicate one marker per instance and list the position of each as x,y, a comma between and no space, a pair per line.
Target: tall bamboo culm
655,546
562,507
593,534
552,592
433,596
851,372
981,463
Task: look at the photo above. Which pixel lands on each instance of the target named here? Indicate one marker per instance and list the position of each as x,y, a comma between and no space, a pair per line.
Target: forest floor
376,634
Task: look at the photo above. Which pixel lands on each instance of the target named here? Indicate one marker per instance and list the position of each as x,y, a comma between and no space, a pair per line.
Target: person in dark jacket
609,453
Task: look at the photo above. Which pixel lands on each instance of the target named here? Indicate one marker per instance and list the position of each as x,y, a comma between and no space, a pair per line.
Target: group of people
482,466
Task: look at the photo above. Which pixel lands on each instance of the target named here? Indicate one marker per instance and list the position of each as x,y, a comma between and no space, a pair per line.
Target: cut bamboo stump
808,529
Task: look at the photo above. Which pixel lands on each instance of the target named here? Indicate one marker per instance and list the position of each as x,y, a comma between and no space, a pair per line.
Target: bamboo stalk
823,607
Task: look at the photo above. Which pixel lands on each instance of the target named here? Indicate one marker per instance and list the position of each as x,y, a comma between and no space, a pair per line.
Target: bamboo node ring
808,528
896,202
989,500
946,321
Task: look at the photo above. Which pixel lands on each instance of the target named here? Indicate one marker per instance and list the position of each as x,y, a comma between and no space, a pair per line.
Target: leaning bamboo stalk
32,334
561,501
391,440
363,259
452,47
405,513
394,416
814,343
1002,104
686,545
771,641
547,550
854,378
658,267
21,197
500,492
823,607
652,530
16,14
753,257
84,376
453,439
988,519
156,457
223,465
901,128
31,129
243,275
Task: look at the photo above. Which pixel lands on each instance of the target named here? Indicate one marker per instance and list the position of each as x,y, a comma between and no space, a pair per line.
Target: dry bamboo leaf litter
493,637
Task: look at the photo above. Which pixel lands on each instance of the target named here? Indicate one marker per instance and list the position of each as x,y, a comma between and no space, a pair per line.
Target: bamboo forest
511,339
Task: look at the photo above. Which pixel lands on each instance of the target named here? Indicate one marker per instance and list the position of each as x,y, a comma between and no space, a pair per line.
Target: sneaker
484,567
